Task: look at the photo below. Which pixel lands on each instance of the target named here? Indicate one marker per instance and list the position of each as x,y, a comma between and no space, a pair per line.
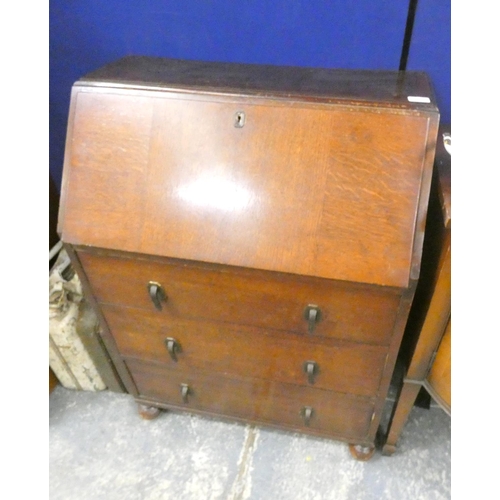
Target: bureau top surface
410,89
328,188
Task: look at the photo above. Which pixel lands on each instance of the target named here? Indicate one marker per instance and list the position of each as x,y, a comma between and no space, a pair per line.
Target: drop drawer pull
306,413
157,294
185,392
312,315
311,369
173,348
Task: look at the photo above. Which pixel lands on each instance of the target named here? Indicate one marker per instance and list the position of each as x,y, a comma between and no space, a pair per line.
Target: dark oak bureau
251,236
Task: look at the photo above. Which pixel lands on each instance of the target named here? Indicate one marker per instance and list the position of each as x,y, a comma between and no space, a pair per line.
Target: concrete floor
101,449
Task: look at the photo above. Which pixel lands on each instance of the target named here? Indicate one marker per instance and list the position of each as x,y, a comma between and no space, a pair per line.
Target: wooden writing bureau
251,235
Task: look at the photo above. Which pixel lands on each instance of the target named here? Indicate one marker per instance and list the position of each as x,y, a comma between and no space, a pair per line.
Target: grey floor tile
101,449
292,466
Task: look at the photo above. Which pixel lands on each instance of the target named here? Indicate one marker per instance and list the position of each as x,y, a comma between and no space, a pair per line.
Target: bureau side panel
397,334
122,373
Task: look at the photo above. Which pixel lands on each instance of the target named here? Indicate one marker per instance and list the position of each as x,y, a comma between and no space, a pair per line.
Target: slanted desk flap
327,189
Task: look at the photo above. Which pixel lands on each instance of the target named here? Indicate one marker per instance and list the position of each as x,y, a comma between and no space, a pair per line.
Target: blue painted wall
430,49
85,34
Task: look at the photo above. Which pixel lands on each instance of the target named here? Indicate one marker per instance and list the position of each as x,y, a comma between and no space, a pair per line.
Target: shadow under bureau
251,236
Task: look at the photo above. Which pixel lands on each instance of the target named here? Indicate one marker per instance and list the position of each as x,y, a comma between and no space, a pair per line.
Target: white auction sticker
417,98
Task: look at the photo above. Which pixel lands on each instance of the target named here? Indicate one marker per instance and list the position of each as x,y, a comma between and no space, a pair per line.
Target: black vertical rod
412,8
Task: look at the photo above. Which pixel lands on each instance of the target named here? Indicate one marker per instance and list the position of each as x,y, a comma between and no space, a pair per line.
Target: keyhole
239,119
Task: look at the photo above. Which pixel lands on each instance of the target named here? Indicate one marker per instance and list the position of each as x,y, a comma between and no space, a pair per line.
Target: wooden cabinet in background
52,380
251,236
427,347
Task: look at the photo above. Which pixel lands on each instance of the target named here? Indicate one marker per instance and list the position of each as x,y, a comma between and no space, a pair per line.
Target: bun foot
362,453
148,412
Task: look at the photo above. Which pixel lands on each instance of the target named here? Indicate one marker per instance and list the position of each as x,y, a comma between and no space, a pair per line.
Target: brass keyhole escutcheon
239,119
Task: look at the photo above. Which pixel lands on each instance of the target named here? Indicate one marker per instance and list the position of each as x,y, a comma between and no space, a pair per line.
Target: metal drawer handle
157,294
185,392
312,315
306,413
311,369
173,347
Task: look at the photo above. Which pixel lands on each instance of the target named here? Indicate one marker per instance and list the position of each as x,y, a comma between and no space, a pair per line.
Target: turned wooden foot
362,453
148,412
388,449
402,407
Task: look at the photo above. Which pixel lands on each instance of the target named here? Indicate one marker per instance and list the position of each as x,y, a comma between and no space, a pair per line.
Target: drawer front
266,300
247,352
256,400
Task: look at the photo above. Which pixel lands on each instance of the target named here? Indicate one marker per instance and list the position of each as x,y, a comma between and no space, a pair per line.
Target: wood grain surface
288,82
250,193
439,377
247,352
349,311
326,191
428,331
261,401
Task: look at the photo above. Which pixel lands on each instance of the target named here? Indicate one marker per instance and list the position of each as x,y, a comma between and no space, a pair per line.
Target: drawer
255,400
241,351
356,312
